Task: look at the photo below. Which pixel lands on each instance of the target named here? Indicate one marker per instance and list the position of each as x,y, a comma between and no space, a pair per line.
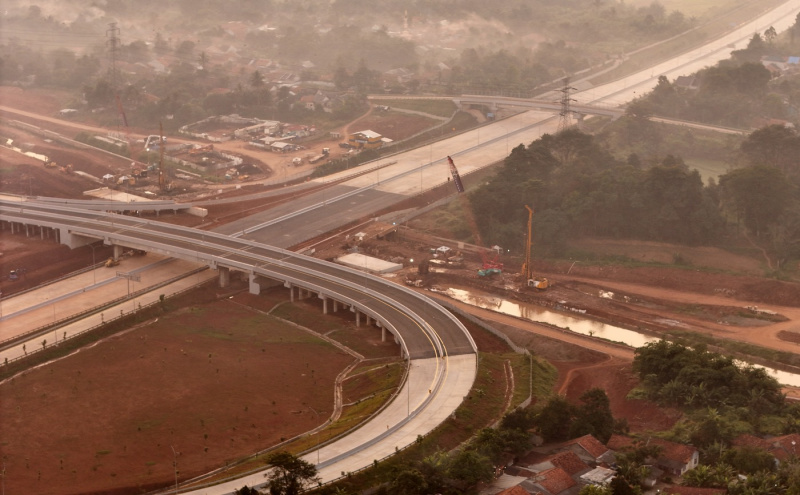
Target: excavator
491,265
527,267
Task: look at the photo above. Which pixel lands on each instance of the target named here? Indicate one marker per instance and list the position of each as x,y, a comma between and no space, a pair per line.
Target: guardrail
106,322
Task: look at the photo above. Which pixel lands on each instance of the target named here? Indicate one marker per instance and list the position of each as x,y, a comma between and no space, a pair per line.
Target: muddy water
571,319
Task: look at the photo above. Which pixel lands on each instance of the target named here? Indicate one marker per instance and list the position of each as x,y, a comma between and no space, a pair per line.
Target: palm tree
702,477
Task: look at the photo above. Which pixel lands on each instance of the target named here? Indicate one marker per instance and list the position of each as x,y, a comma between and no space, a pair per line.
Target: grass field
691,8
442,108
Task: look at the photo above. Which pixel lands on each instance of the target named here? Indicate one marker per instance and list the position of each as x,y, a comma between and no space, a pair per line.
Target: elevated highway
441,353
423,328
499,101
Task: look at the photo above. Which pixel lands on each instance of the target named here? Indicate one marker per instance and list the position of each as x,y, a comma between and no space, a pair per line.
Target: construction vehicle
110,262
527,266
66,169
202,149
50,164
490,263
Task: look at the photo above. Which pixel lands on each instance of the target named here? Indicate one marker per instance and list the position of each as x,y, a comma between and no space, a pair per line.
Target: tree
619,486
596,490
256,79
702,477
554,419
774,145
770,34
593,416
409,482
289,474
758,195
749,460
471,468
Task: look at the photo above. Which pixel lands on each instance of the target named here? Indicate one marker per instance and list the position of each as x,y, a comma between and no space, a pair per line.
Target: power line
565,122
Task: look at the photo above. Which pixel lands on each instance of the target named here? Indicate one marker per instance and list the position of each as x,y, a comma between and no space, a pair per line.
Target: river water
572,320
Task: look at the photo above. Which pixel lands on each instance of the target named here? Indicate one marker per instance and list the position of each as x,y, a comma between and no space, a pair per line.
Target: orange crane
491,265
527,267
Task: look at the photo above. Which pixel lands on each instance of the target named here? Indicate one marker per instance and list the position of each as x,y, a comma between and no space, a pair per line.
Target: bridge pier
117,252
224,276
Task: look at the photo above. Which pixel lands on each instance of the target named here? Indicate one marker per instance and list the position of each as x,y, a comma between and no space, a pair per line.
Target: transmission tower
112,41
565,122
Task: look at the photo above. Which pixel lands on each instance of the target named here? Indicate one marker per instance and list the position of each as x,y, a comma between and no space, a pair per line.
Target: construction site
570,312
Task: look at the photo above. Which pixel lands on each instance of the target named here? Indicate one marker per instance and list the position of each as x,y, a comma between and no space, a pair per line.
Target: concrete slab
368,263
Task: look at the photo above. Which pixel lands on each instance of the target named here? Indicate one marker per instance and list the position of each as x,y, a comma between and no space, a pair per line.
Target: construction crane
527,266
491,265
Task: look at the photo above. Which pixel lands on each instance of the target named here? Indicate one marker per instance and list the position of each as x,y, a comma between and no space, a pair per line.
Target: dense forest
577,187
722,400
737,91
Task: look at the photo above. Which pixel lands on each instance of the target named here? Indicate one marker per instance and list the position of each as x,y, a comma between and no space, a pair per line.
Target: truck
316,158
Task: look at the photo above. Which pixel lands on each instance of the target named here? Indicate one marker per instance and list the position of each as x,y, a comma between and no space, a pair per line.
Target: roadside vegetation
722,400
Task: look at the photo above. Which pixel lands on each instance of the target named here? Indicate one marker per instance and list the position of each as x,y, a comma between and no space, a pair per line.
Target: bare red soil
212,381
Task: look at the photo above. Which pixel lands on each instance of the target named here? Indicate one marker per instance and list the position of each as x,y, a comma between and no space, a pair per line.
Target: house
590,450
568,461
281,147
551,482
365,140
784,447
308,102
599,476
675,458
514,490
687,82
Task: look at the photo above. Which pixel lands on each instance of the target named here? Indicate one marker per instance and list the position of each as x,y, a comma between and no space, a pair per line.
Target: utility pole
565,122
112,33
112,41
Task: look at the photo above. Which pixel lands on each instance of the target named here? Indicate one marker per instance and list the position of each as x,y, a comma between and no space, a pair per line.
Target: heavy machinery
110,262
490,263
527,266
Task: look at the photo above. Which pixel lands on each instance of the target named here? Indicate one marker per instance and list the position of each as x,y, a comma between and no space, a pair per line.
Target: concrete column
335,305
291,293
383,334
369,320
117,251
27,230
224,276
12,227
358,318
41,233
255,287
324,305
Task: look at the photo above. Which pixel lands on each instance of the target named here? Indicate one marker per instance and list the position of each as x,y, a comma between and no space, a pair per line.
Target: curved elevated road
424,328
442,356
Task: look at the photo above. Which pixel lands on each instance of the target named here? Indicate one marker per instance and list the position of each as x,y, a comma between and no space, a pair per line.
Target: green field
442,108
709,169
696,8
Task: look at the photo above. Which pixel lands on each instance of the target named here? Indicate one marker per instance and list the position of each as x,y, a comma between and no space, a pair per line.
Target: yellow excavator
527,269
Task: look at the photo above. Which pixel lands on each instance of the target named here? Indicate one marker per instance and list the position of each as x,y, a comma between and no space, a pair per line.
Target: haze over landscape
529,247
